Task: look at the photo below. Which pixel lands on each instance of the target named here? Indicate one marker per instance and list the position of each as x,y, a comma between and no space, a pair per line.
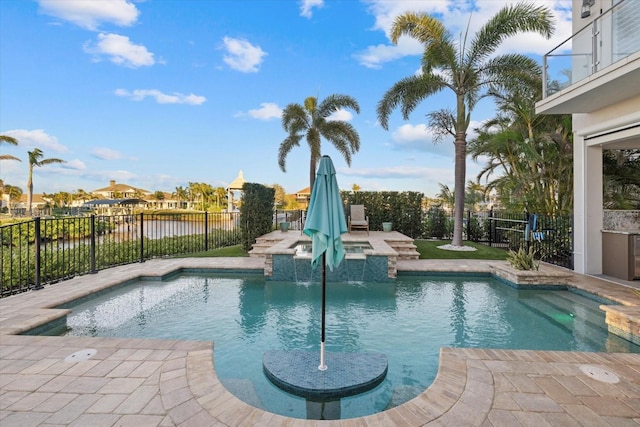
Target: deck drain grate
599,374
81,355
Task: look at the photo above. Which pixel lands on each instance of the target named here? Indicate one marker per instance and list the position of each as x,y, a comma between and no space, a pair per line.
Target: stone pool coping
167,382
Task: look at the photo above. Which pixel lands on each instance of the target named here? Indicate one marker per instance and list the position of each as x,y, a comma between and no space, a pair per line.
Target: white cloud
306,7
120,50
106,153
267,111
394,172
242,55
410,134
342,115
375,56
37,138
161,98
75,164
455,15
420,137
90,14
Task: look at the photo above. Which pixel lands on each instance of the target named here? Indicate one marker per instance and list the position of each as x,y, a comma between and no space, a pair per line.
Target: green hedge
256,212
402,209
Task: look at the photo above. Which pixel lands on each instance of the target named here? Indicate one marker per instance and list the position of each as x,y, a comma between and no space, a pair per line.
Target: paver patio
143,382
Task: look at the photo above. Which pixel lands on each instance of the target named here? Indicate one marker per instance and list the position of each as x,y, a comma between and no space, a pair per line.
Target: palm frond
335,102
510,20
420,26
285,147
8,139
408,93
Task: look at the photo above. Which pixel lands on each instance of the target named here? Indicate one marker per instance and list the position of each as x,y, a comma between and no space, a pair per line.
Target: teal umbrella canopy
325,221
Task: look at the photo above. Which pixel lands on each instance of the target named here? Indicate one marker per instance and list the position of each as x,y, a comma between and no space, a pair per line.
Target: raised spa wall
375,265
370,268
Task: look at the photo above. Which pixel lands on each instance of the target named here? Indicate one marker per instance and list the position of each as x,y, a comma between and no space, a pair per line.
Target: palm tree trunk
459,177
312,174
30,190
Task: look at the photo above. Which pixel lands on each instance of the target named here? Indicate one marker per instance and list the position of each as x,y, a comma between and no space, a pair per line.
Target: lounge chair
357,219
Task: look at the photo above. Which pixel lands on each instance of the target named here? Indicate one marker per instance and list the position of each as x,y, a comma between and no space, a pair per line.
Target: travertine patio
139,382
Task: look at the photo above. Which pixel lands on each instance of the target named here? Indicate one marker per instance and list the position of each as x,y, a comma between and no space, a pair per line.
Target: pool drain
81,355
599,374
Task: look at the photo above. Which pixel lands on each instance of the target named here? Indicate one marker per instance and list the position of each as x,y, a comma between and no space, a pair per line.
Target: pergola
235,186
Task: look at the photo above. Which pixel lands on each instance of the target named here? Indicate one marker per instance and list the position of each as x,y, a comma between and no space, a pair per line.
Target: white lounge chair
358,220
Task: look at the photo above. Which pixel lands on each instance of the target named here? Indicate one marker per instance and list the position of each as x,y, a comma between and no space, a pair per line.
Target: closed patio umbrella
325,224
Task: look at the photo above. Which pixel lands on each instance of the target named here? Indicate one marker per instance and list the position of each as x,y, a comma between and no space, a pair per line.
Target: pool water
409,321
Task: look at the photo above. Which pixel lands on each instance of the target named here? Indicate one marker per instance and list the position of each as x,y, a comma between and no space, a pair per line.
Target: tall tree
530,162
36,159
221,195
311,121
465,68
445,195
280,195
182,194
11,141
14,195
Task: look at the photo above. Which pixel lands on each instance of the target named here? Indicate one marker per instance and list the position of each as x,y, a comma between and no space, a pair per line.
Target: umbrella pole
322,366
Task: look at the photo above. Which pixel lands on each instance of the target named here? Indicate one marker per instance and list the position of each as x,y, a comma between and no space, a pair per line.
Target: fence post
526,232
206,231
37,279
141,237
490,231
92,254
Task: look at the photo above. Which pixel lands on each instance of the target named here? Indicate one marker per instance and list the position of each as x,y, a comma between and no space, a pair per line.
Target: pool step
261,244
405,248
245,390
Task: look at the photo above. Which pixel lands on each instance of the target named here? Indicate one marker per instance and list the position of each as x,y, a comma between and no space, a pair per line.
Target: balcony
597,67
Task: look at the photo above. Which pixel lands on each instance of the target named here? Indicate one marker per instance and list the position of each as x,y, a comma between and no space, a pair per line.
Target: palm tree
35,159
467,69
220,194
181,194
530,154
14,195
445,196
310,121
12,141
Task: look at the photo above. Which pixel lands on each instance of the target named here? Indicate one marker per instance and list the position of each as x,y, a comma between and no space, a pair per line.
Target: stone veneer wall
621,220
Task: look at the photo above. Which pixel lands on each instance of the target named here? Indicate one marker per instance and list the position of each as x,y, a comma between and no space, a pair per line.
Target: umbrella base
347,374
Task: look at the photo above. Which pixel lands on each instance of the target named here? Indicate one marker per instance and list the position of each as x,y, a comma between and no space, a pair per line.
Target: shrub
523,260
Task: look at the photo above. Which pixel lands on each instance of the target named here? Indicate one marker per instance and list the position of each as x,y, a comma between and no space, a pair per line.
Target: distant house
168,201
39,205
233,188
118,198
121,191
303,196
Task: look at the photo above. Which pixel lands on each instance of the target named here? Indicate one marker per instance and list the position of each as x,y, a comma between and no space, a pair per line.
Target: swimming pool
408,321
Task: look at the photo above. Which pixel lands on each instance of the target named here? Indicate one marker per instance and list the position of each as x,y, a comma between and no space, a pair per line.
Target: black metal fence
46,250
294,218
551,237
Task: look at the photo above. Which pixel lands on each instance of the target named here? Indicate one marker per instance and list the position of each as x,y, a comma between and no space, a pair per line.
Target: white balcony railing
609,38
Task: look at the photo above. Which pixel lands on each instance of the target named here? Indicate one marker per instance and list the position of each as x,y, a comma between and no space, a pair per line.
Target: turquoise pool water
409,321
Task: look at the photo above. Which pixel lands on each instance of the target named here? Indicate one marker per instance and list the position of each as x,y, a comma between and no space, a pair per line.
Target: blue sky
160,93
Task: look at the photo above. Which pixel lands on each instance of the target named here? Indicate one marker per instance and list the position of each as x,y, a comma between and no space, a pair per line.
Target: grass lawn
428,250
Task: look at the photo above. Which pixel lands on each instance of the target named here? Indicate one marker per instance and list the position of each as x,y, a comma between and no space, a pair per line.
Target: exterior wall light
585,12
